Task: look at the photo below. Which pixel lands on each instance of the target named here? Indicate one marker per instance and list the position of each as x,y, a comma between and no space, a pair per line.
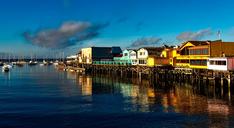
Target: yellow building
86,55
171,54
193,54
157,61
167,57
150,61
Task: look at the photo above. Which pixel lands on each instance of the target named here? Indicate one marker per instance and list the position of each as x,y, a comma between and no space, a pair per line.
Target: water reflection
160,97
49,95
86,84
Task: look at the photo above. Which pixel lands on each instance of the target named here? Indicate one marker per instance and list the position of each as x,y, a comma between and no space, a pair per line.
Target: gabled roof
134,50
195,43
129,50
154,50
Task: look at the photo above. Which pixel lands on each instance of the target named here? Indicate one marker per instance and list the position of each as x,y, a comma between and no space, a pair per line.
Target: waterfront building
126,56
167,57
71,59
130,56
171,53
88,55
157,61
144,53
117,60
133,57
221,63
194,54
79,57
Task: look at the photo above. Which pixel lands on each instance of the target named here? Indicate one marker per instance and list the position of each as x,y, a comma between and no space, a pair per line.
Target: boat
14,63
5,68
20,63
45,62
51,62
56,63
32,63
9,66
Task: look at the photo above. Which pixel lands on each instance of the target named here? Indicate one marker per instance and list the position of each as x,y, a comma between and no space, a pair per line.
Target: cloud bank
185,36
67,34
145,41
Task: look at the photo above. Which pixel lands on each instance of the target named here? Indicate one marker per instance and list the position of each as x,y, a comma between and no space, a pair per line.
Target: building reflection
161,97
85,83
219,113
71,75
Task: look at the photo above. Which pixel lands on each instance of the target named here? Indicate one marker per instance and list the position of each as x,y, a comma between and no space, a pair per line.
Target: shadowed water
36,97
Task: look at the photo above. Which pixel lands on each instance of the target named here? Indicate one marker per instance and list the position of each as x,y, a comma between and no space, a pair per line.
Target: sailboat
56,63
10,65
14,61
20,63
32,62
45,62
51,62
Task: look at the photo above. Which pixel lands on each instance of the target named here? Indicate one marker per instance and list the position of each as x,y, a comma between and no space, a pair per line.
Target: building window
132,54
142,61
182,61
203,51
125,54
198,62
218,62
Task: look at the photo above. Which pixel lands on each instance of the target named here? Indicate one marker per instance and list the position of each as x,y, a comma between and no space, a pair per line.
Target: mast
9,58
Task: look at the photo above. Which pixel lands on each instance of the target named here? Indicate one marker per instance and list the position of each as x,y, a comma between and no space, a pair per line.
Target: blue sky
123,22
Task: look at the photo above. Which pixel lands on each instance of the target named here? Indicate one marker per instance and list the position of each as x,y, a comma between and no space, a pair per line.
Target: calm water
43,97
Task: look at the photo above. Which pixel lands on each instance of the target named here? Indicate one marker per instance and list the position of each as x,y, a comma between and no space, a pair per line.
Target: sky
53,26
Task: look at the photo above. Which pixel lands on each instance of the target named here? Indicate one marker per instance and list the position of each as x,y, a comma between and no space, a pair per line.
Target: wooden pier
71,68
166,74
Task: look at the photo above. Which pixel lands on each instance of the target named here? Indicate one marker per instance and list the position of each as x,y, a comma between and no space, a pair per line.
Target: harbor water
44,97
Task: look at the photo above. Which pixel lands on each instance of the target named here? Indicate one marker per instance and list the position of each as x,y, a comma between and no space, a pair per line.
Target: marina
117,64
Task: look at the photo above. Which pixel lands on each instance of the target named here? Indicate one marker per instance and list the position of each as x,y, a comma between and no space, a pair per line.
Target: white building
221,63
72,58
144,53
133,57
